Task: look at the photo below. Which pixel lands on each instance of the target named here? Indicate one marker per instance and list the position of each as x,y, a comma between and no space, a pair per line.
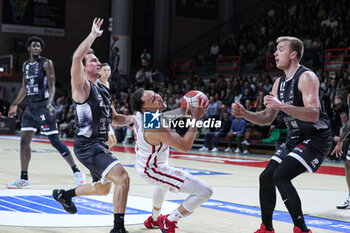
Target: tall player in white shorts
152,154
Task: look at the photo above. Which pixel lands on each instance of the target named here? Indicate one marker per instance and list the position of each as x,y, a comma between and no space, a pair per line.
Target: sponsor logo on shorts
315,162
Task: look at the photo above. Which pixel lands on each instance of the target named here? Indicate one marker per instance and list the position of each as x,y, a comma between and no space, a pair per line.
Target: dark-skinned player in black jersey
38,87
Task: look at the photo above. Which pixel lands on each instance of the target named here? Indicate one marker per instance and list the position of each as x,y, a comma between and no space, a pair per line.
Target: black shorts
95,156
309,152
36,114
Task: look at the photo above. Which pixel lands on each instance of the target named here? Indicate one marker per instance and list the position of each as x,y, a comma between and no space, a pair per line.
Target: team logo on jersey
152,120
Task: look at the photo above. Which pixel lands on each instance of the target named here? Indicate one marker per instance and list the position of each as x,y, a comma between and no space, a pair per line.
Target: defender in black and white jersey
39,89
94,113
338,150
296,94
152,154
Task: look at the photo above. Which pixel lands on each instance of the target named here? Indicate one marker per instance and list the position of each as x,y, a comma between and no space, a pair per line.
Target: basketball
191,98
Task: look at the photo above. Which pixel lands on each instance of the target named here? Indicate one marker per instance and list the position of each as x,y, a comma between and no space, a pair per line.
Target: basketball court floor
234,206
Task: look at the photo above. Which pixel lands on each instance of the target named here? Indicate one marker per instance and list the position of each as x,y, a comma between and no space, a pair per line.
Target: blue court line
322,223
192,171
56,207
17,207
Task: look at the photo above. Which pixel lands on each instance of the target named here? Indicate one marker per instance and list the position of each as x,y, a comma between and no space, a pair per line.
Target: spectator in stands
172,104
212,89
59,105
213,110
246,95
344,120
336,108
226,122
214,49
221,84
158,77
267,84
145,58
248,105
331,90
229,98
237,96
259,99
140,77
237,130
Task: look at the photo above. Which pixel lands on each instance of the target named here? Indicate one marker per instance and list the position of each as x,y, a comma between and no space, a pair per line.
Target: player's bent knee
209,192
205,192
118,175
265,177
24,142
279,177
59,145
103,190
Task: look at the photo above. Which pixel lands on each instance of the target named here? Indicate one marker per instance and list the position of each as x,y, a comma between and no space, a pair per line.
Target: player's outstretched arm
80,86
265,117
309,88
120,119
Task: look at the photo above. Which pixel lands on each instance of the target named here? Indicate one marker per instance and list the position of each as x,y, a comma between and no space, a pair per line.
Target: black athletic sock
24,175
75,169
118,221
69,194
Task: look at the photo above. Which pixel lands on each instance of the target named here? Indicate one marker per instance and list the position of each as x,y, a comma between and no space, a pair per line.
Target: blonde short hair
295,45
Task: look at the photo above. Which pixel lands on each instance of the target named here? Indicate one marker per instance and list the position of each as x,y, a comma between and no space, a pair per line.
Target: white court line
5,207
38,211
39,203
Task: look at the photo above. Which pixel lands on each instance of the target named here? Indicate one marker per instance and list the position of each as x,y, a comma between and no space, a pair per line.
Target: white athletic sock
155,214
175,215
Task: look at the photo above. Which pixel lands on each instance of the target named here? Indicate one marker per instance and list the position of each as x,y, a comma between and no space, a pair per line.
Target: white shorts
166,177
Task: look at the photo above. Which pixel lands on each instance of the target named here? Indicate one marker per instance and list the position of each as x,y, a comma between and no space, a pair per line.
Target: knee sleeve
199,192
288,170
60,146
158,197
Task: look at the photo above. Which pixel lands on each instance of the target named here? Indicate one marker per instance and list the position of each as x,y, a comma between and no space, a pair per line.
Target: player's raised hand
237,110
96,27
